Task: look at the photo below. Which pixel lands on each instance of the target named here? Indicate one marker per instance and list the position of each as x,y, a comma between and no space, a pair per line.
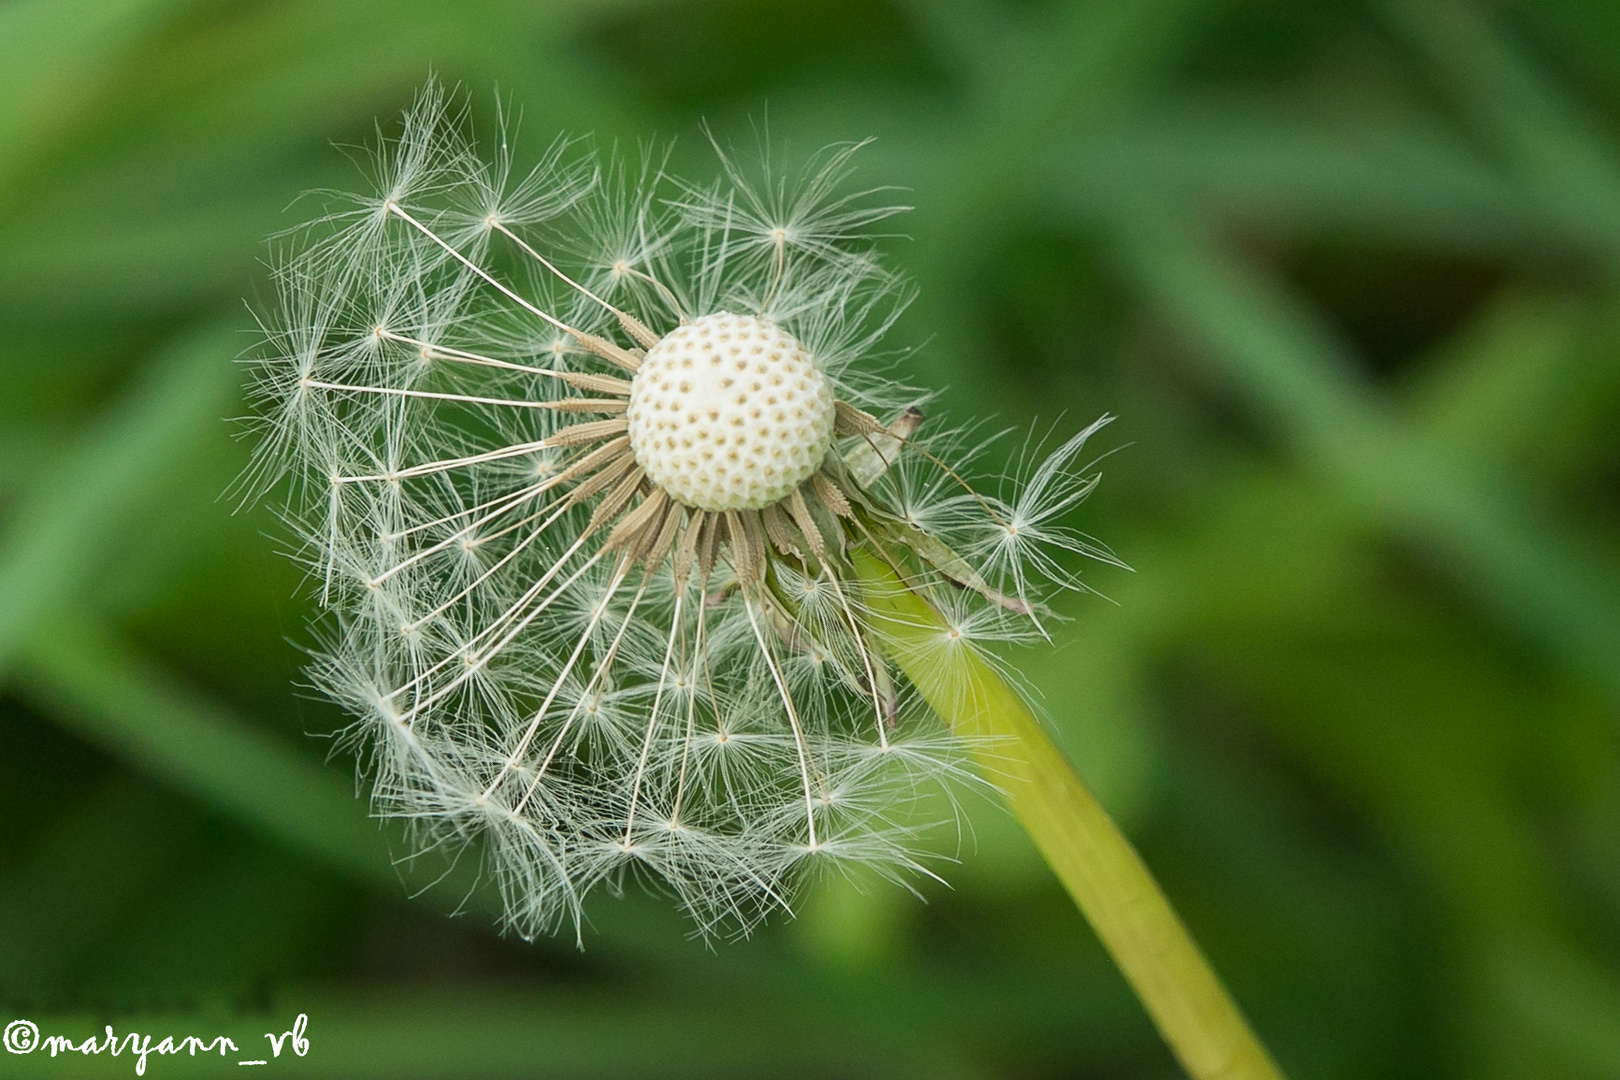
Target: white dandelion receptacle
729,412
580,455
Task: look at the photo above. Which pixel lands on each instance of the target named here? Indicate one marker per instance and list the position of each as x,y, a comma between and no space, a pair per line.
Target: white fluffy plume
546,653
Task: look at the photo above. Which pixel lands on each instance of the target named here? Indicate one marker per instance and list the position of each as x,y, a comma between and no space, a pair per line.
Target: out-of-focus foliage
1347,272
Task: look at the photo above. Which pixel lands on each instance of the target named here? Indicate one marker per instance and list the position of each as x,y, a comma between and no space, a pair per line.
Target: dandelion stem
1096,863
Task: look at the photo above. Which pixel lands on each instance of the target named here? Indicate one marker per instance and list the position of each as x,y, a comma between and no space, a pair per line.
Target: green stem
1093,859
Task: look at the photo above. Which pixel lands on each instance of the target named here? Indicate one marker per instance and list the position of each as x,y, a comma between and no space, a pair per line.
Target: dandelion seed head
580,458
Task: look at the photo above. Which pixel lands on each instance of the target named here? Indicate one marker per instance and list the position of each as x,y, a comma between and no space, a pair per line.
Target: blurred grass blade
1573,167
1567,998
1412,182
53,58
64,530
1535,579
1093,859
95,686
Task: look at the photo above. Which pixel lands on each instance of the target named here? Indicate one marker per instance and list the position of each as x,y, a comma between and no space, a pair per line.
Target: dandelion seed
580,458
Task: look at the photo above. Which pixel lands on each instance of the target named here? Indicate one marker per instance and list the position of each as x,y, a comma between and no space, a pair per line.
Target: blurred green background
1347,272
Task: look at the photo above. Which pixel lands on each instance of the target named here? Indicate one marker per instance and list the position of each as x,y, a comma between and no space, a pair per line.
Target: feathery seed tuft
580,457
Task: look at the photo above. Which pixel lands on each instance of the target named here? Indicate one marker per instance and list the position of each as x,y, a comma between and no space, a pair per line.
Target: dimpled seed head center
729,412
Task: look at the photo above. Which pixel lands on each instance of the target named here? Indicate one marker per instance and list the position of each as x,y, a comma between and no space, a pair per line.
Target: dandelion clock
637,562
